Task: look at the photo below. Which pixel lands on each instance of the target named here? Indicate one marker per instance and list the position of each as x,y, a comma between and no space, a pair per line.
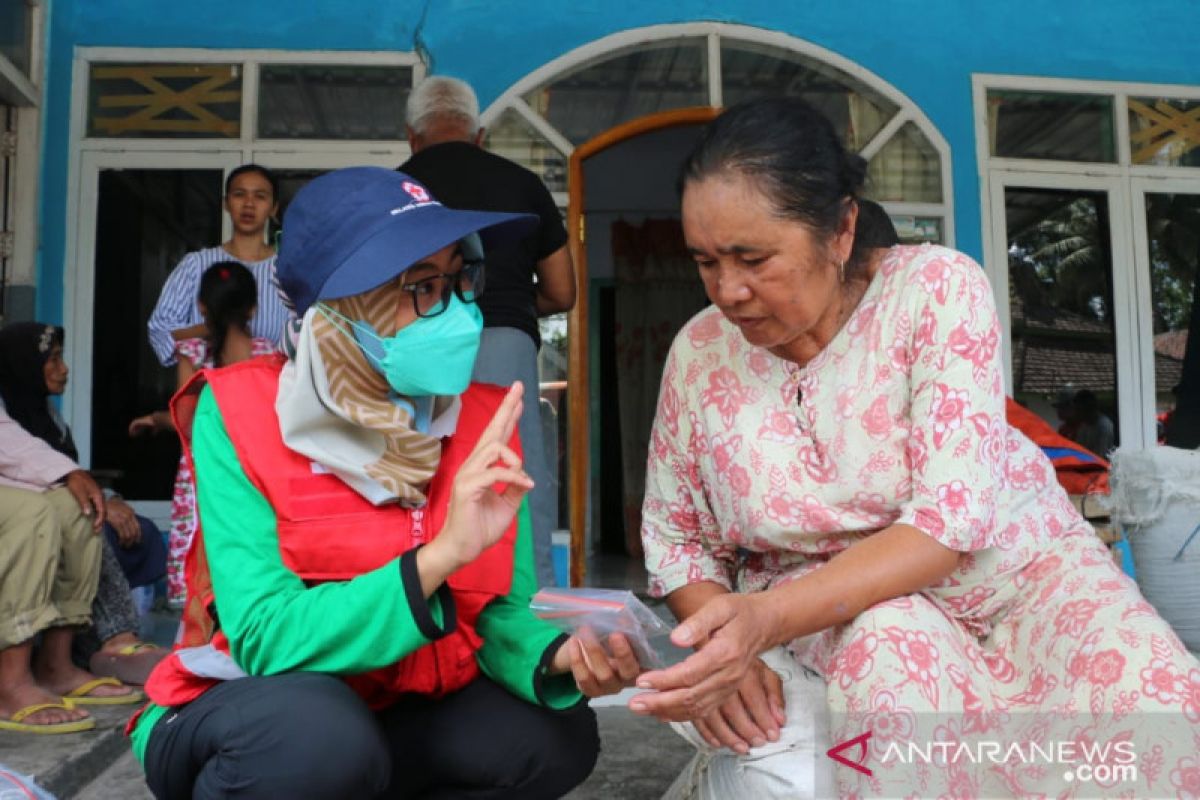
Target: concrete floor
639,757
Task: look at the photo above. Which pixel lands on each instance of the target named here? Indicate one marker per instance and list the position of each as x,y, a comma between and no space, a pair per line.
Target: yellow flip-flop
81,696
17,721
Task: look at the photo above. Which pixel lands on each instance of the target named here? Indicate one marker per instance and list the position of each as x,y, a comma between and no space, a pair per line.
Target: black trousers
307,735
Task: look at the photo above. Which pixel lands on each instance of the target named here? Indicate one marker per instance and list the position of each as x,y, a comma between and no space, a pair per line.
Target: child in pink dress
227,299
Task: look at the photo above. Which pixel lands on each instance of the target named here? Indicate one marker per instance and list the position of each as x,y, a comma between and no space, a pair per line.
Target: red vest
327,531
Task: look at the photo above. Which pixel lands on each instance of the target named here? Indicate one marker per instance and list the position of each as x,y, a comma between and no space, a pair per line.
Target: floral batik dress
183,500
761,470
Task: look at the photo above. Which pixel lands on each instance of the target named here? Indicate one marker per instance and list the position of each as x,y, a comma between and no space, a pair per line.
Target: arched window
541,119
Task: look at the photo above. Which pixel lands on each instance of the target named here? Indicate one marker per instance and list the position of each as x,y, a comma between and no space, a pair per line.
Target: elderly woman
32,371
357,619
831,472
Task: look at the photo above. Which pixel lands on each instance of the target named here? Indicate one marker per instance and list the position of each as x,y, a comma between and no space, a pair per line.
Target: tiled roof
1172,343
1046,365
1054,348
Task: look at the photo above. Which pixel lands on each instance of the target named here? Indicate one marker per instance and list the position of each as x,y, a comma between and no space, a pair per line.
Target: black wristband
410,576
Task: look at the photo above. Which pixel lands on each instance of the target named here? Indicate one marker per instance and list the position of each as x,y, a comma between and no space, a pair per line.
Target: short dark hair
261,170
874,227
794,156
1086,399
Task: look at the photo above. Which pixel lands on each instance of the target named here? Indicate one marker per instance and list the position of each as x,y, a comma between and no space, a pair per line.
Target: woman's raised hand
478,515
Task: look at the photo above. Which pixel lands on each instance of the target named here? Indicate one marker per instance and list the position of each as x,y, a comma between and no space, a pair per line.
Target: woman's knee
297,735
564,752
31,518
330,742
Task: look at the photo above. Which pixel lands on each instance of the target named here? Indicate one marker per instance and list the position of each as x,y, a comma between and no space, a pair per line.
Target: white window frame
1126,184
1140,187
1124,315
713,33
79,299
89,155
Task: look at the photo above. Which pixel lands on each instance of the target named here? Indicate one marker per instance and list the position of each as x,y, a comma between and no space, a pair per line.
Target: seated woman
133,553
357,620
831,473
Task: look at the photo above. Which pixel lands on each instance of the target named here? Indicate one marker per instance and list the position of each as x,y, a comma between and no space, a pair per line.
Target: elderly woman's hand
124,520
731,630
751,717
478,516
596,672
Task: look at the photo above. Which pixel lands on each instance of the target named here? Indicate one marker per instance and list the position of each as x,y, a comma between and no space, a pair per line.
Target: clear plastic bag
600,612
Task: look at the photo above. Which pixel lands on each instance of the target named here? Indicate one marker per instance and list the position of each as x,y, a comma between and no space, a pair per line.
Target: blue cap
351,230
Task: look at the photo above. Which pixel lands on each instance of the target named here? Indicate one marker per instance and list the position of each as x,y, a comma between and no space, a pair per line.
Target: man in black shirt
443,129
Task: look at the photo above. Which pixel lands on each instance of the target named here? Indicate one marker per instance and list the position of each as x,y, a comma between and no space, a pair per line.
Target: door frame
79,302
1130,400
281,158
1144,294
578,394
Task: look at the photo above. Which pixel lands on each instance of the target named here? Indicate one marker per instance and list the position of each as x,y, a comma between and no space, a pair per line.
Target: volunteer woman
357,621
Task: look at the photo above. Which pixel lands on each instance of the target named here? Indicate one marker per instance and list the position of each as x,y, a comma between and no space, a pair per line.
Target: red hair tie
224,273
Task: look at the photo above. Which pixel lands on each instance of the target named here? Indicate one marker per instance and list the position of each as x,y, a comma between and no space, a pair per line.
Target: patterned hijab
24,350
335,408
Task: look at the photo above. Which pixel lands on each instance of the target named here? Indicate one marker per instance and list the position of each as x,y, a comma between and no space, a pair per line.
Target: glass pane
173,101
906,168
1164,131
1060,298
653,78
146,220
1173,234
552,401
1065,127
290,182
16,18
915,230
752,70
513,137
332,102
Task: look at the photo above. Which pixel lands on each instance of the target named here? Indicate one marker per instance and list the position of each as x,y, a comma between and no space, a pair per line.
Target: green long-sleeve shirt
277,624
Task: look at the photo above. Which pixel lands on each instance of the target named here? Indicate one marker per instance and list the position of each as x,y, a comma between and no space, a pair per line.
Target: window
712,64
513,137
750,70
602,95
1094,248
1051,125
174,101
1164,131
16,34
317,101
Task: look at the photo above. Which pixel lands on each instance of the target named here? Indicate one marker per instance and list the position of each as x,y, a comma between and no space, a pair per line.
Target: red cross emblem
416,192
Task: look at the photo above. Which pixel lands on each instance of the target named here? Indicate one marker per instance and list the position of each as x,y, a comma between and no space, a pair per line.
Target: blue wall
927,49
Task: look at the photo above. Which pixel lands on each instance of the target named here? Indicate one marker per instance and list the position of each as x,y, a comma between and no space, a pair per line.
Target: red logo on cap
416,192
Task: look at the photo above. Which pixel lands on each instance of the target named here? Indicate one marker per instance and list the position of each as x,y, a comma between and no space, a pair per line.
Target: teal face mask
429,356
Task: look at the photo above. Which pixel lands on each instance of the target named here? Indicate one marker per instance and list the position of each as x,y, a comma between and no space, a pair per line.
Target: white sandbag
793,768
1156,496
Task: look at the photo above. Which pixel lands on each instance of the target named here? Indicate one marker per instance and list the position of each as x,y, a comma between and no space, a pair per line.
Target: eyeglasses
431,295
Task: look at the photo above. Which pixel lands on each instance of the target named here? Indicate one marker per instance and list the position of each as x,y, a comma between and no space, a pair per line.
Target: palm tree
1069,248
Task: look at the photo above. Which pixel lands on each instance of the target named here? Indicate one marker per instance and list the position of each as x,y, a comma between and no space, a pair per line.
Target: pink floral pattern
183,499
901,421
